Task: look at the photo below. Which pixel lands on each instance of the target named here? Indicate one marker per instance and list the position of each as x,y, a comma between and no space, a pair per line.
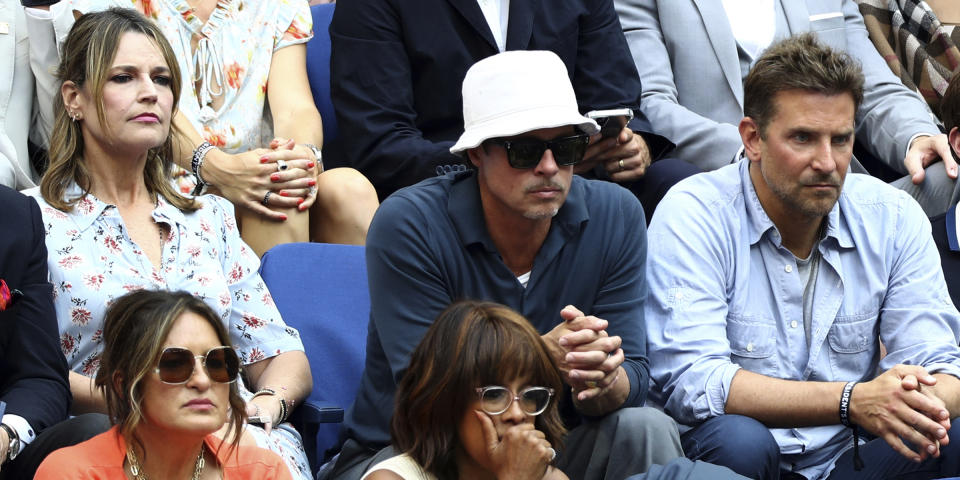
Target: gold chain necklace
138,474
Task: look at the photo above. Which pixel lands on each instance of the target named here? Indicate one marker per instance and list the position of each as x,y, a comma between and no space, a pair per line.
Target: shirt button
750,347
788,268
793,324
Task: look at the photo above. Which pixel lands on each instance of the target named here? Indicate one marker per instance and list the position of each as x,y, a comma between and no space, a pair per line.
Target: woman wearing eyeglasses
476,402
168,374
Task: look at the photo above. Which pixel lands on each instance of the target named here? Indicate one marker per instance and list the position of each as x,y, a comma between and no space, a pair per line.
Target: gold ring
622,168
591,383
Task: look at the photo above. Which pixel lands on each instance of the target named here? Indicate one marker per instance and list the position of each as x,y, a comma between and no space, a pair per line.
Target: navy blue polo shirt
428,246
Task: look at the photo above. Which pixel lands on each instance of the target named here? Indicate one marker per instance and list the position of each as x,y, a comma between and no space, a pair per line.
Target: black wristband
845,404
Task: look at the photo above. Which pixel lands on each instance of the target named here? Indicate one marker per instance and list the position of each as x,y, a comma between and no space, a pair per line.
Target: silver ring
282,165
266,197
622,168
553,454
311,191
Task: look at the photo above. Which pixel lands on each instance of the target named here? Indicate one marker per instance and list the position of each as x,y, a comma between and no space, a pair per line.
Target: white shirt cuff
19,425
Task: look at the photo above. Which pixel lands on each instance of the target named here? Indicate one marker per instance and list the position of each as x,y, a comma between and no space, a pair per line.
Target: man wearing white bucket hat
521,229
397,66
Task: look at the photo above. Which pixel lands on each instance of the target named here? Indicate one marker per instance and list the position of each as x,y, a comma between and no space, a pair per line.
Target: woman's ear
72,99
118,384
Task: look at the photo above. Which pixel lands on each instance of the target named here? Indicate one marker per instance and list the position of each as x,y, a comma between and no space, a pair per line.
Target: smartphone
256,420
611,121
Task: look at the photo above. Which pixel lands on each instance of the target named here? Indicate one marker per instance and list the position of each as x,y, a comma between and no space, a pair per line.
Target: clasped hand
588,357
244,178
901,405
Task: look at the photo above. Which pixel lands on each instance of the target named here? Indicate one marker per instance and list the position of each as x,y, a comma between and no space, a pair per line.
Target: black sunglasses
526,152
177,364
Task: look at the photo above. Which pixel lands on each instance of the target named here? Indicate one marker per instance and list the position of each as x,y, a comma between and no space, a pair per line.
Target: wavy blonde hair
86,57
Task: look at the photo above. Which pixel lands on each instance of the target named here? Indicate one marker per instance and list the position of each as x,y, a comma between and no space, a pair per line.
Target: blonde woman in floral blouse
114,223
245,93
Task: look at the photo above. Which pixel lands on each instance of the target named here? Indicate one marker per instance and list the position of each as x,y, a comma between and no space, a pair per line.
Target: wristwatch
13,448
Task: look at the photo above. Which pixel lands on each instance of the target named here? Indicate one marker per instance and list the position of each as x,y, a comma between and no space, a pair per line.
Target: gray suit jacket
686,55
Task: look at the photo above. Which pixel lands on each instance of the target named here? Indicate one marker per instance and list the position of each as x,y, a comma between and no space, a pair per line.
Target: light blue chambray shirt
725,294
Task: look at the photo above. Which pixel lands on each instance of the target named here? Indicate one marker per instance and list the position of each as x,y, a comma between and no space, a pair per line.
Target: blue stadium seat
321,290
318,67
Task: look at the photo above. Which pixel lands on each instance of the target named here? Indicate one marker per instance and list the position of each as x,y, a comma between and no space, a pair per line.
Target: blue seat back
318,67
321,290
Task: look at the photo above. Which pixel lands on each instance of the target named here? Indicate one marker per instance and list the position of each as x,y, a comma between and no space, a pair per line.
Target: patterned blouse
92,261
232,59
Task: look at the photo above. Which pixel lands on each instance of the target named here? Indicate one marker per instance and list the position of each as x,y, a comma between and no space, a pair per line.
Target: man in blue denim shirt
774,281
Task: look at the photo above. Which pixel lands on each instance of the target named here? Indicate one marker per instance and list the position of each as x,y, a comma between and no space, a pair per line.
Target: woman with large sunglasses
476,402
114,223
168,374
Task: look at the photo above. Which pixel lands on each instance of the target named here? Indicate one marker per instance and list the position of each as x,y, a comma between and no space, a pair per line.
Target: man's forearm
948,390
781,403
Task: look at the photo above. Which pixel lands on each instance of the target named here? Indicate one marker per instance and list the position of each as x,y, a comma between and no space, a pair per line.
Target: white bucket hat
516,92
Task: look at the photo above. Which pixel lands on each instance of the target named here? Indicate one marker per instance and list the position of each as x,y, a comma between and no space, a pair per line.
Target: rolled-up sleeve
919,326
688,269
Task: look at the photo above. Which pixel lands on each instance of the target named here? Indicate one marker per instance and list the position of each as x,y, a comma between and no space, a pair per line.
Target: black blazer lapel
474,16
520,25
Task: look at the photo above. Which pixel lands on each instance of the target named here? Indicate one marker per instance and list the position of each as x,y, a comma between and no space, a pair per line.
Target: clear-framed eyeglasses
495,399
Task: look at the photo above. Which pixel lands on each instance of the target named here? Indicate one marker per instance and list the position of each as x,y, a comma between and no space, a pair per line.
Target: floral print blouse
92,261
232,60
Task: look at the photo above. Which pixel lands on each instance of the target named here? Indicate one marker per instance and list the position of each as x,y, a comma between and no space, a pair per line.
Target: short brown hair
799,62
86,57
134,329
950,105
470,344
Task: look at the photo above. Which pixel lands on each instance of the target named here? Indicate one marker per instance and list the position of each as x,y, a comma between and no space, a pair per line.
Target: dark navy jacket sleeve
33,370
373,91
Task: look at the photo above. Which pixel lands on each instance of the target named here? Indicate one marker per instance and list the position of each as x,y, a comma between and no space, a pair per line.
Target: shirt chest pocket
753,344
853,344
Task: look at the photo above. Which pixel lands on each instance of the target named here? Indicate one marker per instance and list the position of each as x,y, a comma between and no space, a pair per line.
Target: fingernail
283,218
309,164
563,341
941,432
931,449
302,207
299,201
264,159
311,183
282,193
275,177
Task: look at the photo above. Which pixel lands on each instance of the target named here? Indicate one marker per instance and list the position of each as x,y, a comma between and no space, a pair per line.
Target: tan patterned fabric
919,50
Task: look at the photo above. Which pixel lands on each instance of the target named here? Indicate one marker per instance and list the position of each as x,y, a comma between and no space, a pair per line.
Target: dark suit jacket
397,67
33,370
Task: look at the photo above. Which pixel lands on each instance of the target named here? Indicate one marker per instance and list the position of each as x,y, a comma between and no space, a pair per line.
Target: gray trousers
614,447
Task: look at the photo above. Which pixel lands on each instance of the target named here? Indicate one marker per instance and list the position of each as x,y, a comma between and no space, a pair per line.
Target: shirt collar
89,208
466,211
759,223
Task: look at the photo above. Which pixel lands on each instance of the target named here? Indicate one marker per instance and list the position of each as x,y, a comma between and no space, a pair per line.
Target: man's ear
71,96
954,138
475,154
750,134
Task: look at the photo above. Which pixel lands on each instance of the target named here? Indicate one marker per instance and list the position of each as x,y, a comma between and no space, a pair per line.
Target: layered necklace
138,473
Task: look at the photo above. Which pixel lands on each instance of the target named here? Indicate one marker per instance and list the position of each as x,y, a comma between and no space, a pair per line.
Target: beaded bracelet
199,154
